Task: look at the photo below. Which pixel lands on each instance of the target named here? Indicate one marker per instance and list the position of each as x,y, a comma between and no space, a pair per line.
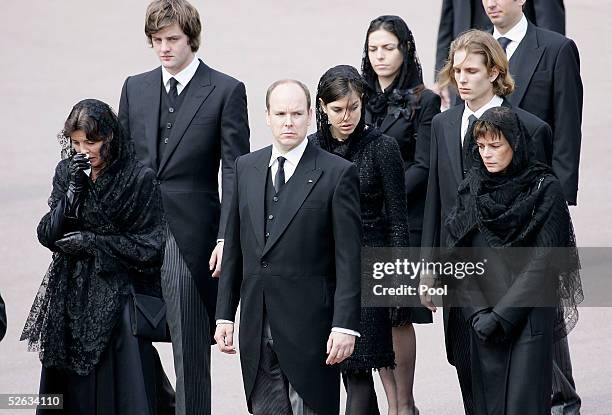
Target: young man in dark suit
292,260
457,16
184,118
478,69
546,68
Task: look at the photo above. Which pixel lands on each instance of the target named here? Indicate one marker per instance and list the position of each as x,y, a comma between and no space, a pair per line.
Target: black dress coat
414,139
546,69
457,16
446,173
212,125
306,274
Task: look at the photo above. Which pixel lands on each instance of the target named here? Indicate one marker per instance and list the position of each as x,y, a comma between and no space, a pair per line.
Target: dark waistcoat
168,111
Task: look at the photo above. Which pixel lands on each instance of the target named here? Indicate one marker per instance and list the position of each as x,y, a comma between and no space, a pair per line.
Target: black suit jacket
212,125
456,17
415,152
546,69
446,173
2,319
307,273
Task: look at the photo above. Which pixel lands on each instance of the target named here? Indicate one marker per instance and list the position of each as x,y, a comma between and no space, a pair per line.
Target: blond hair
485,45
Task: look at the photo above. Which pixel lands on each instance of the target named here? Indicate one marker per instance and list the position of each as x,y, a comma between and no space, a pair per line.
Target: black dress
79,321
383,214
408,120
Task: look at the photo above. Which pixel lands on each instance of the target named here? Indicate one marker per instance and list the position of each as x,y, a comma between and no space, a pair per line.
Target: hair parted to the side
274,84
485,45
164,13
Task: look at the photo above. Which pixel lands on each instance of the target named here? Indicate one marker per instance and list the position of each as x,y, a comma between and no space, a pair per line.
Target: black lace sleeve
390,165
53,225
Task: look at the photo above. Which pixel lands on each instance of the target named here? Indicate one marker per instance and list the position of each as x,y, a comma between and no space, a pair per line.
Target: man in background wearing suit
546,68
184,117
477,67
460,15
292,259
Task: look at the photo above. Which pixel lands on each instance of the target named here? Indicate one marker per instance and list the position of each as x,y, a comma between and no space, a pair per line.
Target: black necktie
471,120
173,93
279,178
465,156
504,42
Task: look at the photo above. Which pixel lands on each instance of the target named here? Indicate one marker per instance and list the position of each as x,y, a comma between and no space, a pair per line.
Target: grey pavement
61,52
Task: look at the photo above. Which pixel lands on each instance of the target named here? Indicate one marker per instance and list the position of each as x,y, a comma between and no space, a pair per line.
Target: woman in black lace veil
400,106
105,229
341,129
528,297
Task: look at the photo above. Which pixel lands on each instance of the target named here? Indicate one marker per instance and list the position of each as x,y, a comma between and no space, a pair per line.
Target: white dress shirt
183,77
292,158
496,101
516,34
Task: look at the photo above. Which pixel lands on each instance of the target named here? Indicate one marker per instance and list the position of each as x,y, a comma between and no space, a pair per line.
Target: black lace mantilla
81,296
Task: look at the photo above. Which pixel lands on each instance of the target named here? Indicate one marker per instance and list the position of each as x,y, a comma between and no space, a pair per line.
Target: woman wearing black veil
400,106
341,129
105,229
528,296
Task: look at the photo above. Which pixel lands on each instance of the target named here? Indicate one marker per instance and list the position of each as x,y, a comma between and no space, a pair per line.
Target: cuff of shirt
339,330
220,321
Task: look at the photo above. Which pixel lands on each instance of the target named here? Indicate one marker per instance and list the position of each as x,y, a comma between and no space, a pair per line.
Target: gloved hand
77,181
76,243
487,326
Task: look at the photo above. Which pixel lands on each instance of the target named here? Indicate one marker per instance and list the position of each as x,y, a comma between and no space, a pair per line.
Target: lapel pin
309,180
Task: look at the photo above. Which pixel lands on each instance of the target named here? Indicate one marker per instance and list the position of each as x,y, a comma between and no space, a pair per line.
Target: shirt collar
496,101
293,156
516,34
184,76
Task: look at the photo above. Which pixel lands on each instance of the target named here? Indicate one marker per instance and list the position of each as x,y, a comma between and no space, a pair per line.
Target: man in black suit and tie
292,260
477,67
460,15
184,117
546,69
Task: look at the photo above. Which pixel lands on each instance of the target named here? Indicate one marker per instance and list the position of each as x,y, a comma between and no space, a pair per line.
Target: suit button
165,140
270,217
170,109
264,264
267,234
275,198
169,125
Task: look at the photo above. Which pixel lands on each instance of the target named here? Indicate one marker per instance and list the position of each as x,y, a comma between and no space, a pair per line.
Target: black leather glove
77,243
77,182
487,326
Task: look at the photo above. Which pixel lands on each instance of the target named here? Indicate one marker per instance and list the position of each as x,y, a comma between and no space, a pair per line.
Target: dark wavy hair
335,84
411,73
99,123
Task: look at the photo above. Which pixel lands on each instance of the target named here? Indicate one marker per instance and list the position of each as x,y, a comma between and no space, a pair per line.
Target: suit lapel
196,94
388,122
151,100
452,134
257,194
523,63
302,182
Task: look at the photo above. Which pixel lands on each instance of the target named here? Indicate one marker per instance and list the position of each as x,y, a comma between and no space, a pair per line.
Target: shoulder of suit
217,76
531,121
428,97
145,75
446,115
550,38
328,159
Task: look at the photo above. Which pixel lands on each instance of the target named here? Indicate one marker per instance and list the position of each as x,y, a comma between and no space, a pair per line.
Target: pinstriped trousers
188,323
565,399
273,394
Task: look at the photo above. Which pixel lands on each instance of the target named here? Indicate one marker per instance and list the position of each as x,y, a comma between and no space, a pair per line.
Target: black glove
77,183
76,243
487,327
